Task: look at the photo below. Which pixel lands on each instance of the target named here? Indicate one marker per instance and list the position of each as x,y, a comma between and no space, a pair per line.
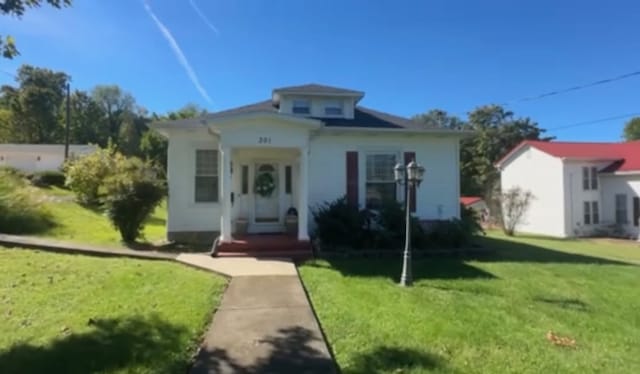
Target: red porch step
266,246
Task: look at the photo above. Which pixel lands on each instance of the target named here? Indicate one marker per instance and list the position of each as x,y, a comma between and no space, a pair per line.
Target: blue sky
408,56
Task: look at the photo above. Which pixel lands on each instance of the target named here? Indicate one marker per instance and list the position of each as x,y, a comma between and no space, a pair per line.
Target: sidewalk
265,324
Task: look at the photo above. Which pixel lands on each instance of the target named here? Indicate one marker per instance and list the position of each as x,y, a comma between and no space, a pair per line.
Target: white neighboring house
580,189
316,145
40,157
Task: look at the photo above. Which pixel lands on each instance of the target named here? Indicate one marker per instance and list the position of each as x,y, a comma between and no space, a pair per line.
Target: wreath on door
264,184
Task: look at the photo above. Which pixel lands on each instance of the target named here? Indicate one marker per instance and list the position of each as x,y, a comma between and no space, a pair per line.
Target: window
595,214
287,180
245,179
587,213
380,182
636,211
585,178
621,209
594,178
301,106
333,108
206,176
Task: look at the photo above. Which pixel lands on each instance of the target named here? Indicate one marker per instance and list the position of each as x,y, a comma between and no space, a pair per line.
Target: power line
591,122
574,88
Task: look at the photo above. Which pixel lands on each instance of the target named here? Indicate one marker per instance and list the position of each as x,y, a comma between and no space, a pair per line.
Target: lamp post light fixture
410,176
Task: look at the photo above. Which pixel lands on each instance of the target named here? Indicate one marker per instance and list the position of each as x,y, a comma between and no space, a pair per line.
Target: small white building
303,146
579,189
39,157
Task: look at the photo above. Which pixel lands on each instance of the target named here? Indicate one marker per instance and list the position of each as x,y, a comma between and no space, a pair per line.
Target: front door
266,191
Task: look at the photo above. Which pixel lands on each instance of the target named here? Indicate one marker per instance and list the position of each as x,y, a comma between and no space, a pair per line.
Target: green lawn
489,315
77,314
77,223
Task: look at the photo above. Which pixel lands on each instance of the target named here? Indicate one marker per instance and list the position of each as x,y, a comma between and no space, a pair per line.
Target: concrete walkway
85,249
239,266
264,325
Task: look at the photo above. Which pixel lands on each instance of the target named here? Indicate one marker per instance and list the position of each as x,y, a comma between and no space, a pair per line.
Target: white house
579,189
303,146
39,157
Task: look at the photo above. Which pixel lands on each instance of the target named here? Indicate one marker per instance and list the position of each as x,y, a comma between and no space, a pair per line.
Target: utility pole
66,130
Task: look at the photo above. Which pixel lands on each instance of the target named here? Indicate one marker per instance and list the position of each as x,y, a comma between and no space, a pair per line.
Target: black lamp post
411,176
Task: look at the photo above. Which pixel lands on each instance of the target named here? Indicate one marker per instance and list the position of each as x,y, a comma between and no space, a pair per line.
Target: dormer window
333,108
301,106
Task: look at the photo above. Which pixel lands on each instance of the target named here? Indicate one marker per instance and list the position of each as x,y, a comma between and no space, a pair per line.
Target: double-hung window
380,182
301,106
587,213
621,209
333,108
591,215
585,178
589,178
206,182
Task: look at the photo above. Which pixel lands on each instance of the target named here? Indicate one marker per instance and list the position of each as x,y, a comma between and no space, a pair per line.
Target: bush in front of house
338,224
341,226
85,175
131,192
20,210
48,179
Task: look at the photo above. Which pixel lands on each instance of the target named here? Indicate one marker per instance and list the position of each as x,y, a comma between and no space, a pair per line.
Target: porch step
266,246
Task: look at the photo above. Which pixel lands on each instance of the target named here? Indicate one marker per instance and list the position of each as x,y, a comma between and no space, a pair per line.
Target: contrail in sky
182,59
203,17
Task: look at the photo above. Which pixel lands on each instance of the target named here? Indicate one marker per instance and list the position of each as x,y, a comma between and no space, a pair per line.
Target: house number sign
264,140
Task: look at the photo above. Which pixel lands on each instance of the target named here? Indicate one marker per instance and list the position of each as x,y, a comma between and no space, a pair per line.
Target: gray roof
313,88
363,117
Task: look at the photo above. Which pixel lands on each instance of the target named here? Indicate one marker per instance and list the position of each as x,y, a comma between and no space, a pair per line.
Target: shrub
514,204
20,211
85,175
47,179
131,193
390,227
338,224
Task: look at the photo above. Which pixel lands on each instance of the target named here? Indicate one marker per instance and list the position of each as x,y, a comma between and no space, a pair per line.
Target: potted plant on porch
291,221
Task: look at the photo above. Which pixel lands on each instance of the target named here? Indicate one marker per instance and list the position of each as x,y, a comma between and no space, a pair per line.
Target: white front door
266,190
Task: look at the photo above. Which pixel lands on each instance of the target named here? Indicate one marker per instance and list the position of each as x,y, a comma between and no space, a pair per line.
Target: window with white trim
591,215
333,108
621,209
380,184
301,106
585,178
206,180
594,178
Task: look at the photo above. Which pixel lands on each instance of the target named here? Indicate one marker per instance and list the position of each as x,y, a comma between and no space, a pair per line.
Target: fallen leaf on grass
562,341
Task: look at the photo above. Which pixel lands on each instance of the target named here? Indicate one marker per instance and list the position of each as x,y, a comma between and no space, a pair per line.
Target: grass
78,223
488,315
77,314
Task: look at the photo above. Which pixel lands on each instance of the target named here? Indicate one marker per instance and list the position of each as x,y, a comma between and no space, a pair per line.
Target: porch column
303,195
225,193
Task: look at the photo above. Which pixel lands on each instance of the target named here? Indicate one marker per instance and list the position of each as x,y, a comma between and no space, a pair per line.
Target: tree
632,129
497,131
515,203
116,104
439,118
87,120
35,105
17,8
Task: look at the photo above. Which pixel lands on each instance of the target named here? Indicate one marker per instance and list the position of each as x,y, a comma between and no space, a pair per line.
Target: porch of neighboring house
264,202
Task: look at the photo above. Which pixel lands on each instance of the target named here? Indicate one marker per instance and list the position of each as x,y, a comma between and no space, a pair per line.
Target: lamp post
411,176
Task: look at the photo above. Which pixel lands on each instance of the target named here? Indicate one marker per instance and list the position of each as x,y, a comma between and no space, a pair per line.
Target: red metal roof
469,200
624,156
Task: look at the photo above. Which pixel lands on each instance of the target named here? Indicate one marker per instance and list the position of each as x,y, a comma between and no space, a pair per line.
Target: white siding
438,195
536,171
620,184
318,104
184,213
575,196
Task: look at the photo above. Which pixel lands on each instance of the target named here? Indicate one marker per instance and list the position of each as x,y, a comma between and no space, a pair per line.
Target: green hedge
47,179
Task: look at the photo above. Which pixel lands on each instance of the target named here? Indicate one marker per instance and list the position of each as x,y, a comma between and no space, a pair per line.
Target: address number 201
264,140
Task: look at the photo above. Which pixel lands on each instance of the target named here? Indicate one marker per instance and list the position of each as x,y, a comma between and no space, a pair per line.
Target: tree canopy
17,8
632,129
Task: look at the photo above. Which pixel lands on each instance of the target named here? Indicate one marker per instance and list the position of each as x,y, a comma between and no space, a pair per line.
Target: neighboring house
477,204
39,157
579,189
245,168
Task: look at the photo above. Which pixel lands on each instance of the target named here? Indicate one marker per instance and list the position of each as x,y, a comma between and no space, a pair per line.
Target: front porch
263,190
265,245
